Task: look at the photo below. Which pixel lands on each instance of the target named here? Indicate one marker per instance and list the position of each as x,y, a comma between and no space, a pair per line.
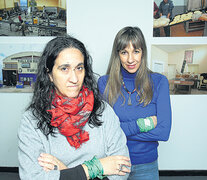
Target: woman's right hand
48,162
116,165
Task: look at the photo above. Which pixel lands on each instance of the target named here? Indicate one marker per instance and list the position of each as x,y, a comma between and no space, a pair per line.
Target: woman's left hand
116,165
49,162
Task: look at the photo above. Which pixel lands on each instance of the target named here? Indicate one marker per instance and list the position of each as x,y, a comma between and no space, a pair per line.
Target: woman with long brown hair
141,100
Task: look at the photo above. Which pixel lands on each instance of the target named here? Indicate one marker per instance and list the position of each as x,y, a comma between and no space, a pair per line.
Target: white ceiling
178,47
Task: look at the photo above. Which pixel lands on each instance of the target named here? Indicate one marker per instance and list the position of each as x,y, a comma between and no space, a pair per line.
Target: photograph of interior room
184,77
32,17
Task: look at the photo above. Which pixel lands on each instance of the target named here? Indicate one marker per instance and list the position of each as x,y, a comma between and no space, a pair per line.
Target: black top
76,173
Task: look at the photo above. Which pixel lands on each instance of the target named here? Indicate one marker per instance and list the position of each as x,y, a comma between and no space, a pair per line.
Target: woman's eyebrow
68,65
80,64
63,65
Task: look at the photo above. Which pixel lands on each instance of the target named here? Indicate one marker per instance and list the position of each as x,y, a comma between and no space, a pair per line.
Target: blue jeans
148,171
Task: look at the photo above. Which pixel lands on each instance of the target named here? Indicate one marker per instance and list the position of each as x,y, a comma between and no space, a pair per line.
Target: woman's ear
50,76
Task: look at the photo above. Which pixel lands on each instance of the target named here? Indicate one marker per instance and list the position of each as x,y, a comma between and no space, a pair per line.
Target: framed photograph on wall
33,18
182,65
18,66
189,56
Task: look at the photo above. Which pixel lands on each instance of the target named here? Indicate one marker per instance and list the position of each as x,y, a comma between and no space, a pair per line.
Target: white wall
12,106
186,148
96,23
199,57
158,55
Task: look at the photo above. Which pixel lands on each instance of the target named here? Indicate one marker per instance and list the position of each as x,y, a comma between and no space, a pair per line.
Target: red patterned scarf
70,115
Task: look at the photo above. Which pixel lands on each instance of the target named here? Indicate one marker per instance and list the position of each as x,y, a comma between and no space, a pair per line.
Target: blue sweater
143,145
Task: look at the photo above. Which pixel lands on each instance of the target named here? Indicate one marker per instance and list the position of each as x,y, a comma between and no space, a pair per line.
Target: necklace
129,99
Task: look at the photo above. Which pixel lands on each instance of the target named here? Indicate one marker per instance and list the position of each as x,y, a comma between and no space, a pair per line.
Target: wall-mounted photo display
18,66
185,66
33,18
179,18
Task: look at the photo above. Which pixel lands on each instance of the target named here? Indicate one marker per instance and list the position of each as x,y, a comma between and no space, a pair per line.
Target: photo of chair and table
185,66
182,84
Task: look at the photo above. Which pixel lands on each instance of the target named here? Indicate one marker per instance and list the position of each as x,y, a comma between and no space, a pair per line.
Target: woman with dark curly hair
68,132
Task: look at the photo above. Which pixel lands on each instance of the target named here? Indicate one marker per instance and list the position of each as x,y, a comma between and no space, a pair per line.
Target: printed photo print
184,65
18,66
179,18
32,17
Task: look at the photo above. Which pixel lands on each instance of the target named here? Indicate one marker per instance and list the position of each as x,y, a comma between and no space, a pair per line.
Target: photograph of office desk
182,86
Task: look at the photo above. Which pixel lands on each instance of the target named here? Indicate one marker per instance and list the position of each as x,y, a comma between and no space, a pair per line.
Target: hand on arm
116,165
132,128
30,144
112,165
48,162
163,114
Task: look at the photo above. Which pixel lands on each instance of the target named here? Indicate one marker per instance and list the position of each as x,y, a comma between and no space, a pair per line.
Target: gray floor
183,178
9,176
15,176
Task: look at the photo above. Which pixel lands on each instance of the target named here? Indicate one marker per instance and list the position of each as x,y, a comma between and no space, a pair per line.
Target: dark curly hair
44,89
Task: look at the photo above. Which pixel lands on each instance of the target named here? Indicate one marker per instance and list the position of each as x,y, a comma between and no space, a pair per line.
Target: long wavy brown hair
143,82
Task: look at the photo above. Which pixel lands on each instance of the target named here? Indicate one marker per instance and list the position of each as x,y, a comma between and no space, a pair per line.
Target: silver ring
55,167
120,167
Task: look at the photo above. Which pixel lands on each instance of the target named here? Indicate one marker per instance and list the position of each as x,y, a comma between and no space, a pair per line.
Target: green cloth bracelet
95,168
145,124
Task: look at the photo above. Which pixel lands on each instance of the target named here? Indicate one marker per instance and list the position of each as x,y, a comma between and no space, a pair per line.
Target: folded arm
163,109
30,146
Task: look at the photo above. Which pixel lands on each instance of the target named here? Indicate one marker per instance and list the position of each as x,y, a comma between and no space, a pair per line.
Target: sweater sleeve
115,138
163,108
29,148
130,128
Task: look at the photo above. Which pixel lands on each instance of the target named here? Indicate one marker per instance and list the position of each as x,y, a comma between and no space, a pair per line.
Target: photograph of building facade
20,68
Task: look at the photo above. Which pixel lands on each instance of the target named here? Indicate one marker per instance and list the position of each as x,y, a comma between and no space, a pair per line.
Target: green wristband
95,168
146,124
140,123
149,124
